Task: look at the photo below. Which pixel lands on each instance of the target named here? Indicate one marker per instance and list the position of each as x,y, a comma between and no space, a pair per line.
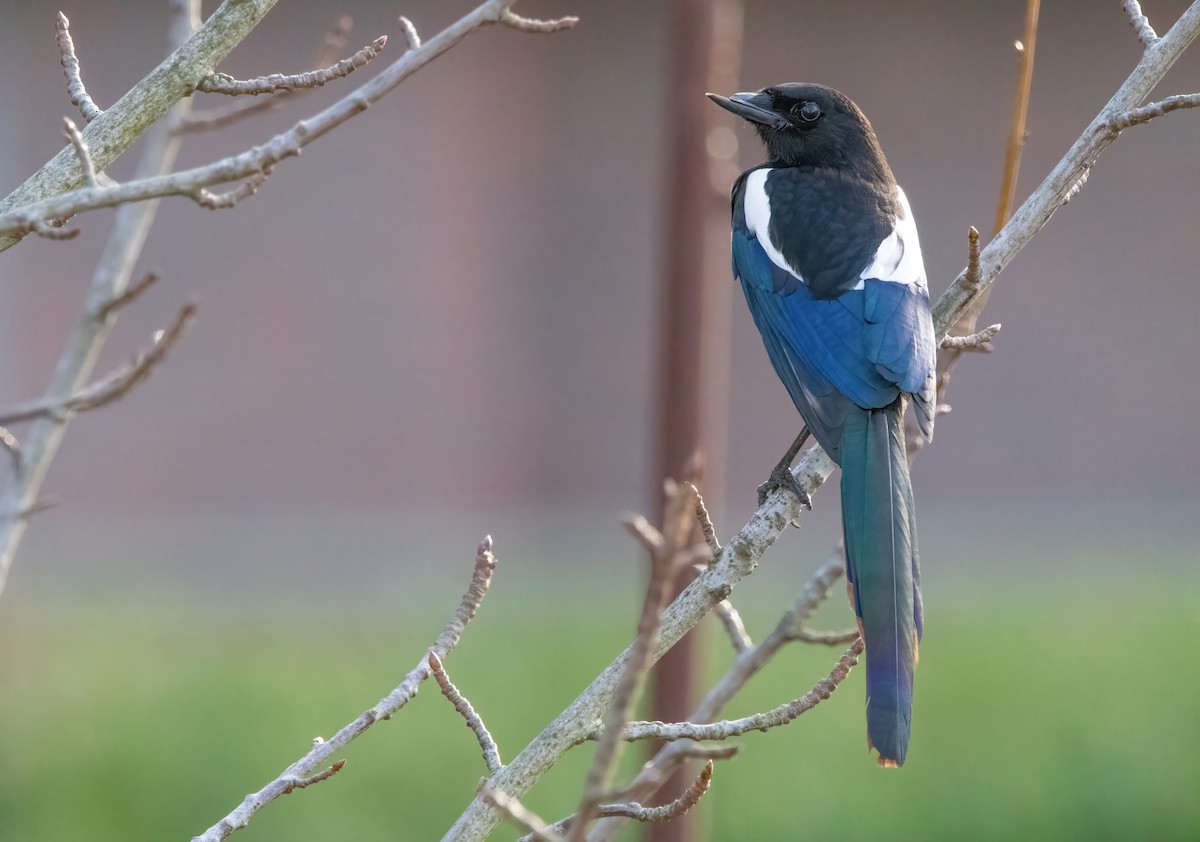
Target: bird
826,250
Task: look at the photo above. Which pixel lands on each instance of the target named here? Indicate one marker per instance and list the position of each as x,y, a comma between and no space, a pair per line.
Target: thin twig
1017,132
301,783
1146,113
676,522
262,158
706,524
519,814
81,150
222,201
742,552
645,533
978,341
52,229
746,665
411,38
481,578
657,815
726,728
731,621
128,296
523,24
491,752
111,387
1139,22
825,638
76,90
707,753
110,279
214,118
222,83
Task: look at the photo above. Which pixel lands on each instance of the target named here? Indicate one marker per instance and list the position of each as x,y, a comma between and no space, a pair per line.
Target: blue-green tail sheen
882,568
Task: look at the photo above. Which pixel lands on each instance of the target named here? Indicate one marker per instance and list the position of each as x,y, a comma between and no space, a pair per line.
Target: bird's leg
782,476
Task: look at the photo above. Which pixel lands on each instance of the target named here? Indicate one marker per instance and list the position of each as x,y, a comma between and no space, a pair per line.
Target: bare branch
113,386
410,33
116,129
518,813
1017,133
52,229
731,620
686,751
70,64
81,150
110,279
825,638
746,665
512,20
215,118
723,730
1036,211
1137,116
676,524
222,83
481,578
491,753
1139,22
128,296
980,341
301,783
260,159
689,799
706,524
118,384
221,201
645,533
225,115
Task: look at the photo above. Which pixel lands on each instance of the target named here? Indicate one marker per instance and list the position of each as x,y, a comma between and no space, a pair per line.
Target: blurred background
443,321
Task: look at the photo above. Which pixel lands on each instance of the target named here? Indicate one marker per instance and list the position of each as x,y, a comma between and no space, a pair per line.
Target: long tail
882,569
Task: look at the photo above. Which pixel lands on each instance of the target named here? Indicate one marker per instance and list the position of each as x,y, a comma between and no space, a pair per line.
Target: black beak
753,107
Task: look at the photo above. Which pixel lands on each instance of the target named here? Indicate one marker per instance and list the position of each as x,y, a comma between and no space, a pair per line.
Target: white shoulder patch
758,219
898,258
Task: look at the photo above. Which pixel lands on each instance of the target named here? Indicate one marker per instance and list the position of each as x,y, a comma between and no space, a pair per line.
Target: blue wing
863,347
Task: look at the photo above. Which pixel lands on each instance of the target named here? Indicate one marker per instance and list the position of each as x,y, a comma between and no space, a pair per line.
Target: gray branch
75,89
259,161
1139,22
222,83
310,763
111,133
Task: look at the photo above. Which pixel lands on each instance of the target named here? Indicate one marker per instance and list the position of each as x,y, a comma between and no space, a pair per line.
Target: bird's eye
809,111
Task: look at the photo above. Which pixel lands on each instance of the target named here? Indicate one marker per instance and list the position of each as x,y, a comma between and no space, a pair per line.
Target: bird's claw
782,477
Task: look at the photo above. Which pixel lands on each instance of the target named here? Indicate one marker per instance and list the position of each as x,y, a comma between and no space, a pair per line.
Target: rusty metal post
694,304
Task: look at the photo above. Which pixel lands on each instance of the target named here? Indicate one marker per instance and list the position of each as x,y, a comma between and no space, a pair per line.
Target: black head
810,125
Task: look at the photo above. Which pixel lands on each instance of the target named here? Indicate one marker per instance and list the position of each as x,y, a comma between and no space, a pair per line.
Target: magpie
826,250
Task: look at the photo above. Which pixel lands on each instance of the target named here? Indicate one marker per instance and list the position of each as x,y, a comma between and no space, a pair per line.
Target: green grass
1069,710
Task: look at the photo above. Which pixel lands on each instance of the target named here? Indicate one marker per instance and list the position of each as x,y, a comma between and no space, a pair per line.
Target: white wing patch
758,220
898,258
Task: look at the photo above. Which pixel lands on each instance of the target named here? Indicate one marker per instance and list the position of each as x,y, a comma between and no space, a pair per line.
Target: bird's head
807,125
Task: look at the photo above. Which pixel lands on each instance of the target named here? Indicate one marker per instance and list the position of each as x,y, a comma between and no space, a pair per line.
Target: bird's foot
782,477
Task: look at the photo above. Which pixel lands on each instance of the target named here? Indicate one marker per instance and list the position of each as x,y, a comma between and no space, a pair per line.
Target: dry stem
481,578
491,753
76,90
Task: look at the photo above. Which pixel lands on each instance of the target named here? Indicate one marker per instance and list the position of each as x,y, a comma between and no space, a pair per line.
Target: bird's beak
753,107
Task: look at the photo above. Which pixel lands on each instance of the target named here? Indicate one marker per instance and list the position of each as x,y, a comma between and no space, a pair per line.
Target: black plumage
828,256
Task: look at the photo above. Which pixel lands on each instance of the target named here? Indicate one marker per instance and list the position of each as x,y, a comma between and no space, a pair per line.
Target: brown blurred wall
450,301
